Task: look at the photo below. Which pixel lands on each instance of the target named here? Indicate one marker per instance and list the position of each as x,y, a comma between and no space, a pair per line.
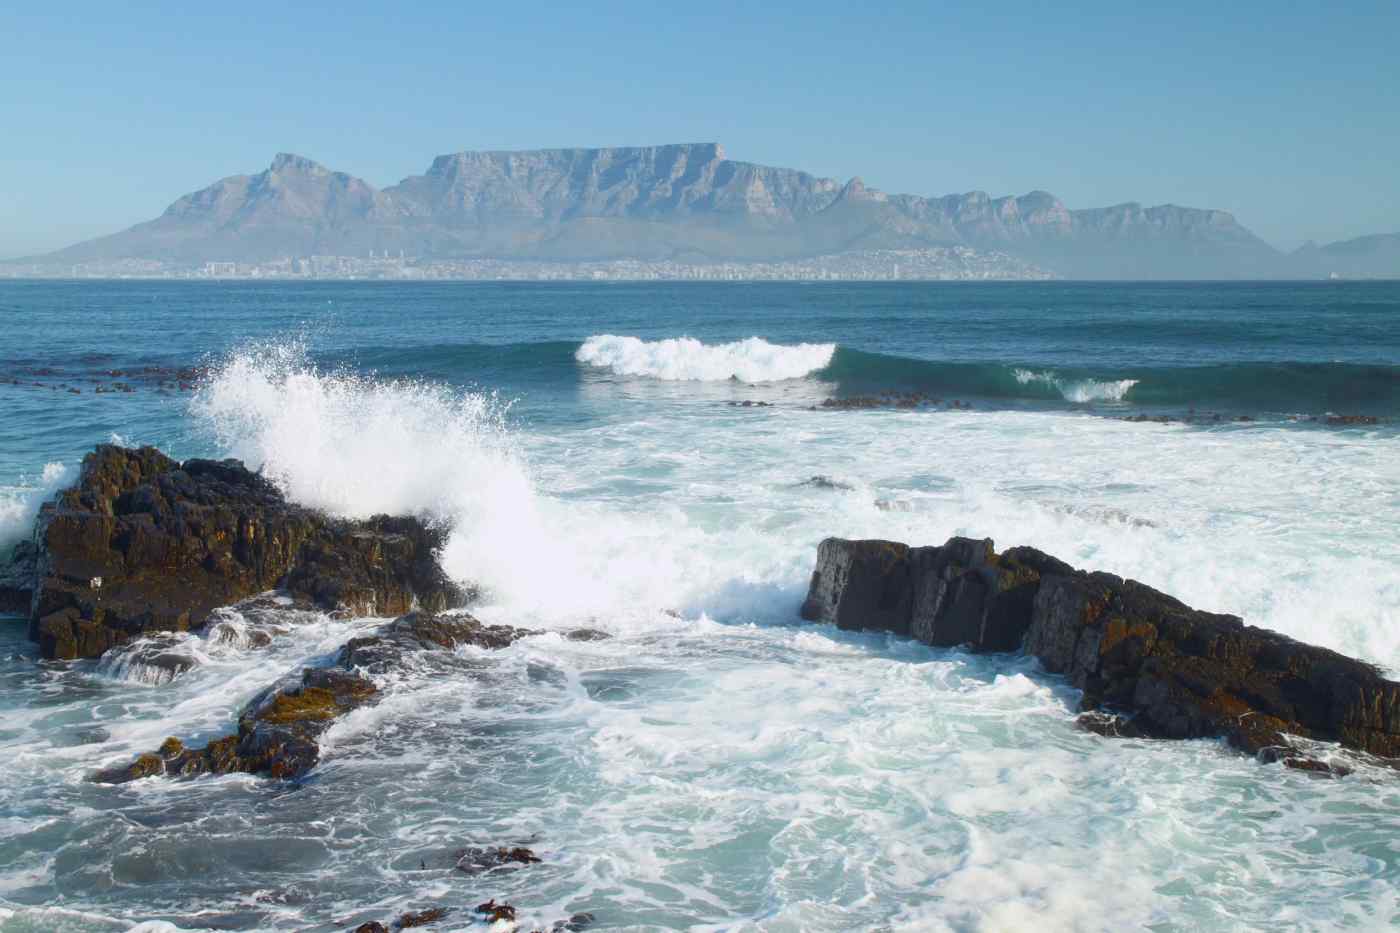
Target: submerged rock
155,660
420,918
145,544
1173,671
279,731
494,912
473,861
822,481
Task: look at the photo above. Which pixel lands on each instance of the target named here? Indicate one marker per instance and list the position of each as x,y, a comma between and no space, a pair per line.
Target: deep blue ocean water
716,764
1271,349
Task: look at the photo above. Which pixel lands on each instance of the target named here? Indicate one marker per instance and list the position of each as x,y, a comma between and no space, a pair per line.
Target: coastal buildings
951,263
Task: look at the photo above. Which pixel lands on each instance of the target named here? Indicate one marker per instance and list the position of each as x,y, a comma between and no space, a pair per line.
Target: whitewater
716,764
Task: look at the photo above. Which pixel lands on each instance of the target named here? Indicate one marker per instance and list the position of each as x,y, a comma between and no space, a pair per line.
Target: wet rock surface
1148,665
420,918
890,398
494,912
474,861
279,730
1214,417
64,376
17,579
143,544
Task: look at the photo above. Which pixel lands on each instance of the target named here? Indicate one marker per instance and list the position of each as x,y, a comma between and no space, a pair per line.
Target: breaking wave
683,359
357,446
1078,390
19,505
1285,387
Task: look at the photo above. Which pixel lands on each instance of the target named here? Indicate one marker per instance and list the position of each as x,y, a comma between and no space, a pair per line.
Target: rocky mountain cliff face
685,202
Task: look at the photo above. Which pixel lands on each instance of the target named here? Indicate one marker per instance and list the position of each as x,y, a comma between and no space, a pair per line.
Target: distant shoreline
304,280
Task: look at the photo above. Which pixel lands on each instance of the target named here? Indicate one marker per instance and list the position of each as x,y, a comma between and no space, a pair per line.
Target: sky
1286,114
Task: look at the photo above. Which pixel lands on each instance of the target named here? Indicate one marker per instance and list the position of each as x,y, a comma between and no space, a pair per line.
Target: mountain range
688,202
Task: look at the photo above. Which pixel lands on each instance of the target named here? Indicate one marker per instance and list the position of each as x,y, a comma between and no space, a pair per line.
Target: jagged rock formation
143,544
279,730
685,202
1148,664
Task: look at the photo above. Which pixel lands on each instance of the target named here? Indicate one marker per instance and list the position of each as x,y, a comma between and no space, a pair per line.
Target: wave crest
687,359
1078,390
356,446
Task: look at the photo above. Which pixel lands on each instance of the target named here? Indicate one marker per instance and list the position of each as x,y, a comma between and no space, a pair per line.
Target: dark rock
494,911
1341,421
373,926
861,585
1170,670
886,399
586,634
417,631
17,579
155,660
826,482
144,544
473,861
279,730
420,918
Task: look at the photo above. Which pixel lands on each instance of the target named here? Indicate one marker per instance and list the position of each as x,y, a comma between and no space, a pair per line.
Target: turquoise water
717,765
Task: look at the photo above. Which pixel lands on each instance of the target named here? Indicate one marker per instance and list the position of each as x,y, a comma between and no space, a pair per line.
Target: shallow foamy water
722,766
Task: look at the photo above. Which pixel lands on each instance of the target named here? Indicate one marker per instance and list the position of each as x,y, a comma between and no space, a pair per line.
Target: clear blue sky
1286,113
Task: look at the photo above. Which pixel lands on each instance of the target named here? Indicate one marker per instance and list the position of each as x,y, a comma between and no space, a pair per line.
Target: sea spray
19,505
1079,391
357,446
686,359
354,446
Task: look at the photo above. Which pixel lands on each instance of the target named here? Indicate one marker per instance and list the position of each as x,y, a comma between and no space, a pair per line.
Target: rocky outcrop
279,730
1147,664
144,544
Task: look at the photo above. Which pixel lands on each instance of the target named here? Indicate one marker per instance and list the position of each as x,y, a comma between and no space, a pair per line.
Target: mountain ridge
679,201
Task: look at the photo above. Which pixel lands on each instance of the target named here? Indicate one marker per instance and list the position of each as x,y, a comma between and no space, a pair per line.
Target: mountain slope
684,201
1376,256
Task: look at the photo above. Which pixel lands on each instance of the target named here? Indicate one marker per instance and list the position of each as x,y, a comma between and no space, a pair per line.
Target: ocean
660,462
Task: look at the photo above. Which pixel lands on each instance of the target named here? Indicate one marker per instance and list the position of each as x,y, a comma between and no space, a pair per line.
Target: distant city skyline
1285,117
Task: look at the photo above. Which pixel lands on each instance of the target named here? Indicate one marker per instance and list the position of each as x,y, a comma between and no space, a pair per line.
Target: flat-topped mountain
685,202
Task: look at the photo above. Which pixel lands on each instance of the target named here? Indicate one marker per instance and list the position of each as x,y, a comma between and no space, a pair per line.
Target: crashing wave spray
687,359
355,446
18,506
1079,390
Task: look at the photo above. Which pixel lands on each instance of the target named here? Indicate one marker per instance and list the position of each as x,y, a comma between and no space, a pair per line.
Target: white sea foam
1078,390
719,767
356,446
722,768
686,359
19,505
